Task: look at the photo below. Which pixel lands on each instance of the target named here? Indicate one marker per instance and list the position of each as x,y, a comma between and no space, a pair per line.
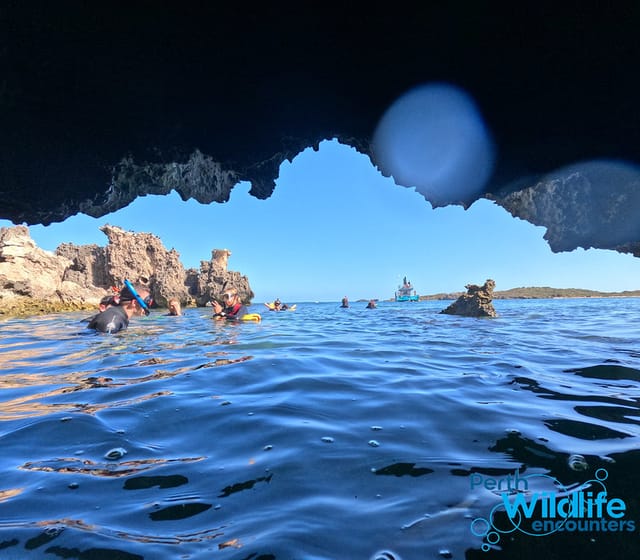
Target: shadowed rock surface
475,303
100,105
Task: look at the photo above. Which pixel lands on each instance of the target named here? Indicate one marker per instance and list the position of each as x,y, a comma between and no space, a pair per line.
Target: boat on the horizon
406,292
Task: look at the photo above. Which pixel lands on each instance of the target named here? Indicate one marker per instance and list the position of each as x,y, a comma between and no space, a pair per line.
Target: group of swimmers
116,310
370,305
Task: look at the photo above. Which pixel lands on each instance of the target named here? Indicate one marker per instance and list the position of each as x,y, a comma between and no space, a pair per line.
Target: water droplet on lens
374,443
115,454
577,463
327,439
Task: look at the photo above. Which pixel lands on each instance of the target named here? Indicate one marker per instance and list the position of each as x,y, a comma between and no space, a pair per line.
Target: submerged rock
475,303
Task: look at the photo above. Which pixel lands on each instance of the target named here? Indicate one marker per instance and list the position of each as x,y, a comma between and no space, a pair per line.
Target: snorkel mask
144,303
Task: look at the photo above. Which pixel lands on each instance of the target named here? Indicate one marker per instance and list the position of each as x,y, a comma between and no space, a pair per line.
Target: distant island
540,293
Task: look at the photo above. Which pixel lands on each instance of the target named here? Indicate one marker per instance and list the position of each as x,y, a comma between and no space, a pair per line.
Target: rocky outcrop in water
88,264
140,257
475,303
76,277
33,280
214,279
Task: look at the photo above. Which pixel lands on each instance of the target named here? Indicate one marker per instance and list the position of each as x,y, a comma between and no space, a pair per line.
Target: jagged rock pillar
477,302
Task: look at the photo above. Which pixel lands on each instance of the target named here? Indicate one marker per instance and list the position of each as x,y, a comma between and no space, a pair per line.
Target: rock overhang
100,106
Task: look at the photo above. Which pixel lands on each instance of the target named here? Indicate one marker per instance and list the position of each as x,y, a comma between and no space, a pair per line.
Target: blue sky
334,226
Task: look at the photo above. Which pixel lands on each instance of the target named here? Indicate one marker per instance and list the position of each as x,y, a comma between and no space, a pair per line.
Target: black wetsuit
111,320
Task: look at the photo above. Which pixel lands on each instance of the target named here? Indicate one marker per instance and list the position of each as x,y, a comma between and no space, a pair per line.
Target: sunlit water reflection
318,434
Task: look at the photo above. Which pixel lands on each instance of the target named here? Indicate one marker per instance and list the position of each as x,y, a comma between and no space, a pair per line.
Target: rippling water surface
322,433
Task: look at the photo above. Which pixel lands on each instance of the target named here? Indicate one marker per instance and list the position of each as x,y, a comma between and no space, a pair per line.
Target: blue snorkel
141,302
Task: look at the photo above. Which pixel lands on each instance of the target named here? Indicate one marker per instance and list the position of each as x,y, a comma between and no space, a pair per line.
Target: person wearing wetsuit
233,308
108,301
116,317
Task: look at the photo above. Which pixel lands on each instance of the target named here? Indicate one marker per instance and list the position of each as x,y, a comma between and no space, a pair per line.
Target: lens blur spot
433,138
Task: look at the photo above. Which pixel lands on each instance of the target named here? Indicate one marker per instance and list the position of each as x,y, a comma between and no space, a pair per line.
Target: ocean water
323,433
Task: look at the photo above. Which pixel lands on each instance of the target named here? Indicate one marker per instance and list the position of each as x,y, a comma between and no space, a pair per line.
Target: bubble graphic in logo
518,510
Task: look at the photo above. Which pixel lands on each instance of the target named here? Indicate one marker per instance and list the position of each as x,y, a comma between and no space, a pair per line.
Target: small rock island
477,302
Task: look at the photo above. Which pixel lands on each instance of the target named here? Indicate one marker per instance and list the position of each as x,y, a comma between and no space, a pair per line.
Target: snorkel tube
141,302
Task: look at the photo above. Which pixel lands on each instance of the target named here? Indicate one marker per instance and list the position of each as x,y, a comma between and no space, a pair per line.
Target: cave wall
102,103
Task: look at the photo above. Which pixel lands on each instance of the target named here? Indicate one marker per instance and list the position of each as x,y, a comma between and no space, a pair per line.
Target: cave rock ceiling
103,102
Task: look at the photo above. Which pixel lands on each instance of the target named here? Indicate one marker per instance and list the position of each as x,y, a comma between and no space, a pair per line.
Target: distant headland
540,293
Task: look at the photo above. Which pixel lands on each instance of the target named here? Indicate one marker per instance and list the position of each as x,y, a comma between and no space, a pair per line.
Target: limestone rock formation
219,94
214,279
76,277
32,279
88,265
475,303
141,257
592,204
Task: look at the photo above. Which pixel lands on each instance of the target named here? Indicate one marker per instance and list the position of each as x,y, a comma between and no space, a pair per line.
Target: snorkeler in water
233,308
174,307
132,301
